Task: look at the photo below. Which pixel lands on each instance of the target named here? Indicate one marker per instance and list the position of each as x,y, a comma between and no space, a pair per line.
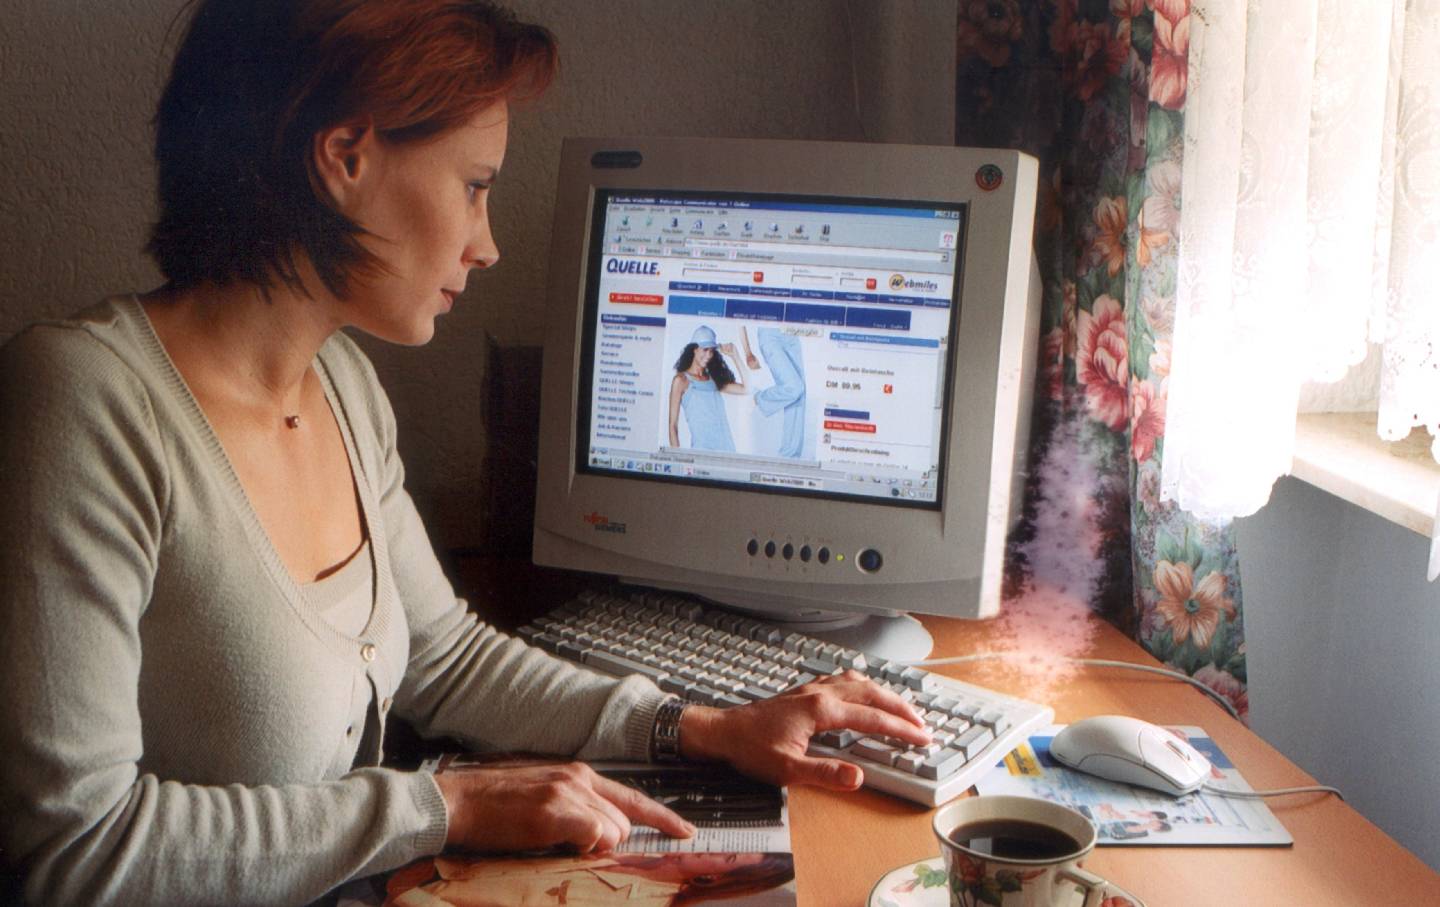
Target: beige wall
79,78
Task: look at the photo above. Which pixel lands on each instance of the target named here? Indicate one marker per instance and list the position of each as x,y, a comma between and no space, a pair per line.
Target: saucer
918,884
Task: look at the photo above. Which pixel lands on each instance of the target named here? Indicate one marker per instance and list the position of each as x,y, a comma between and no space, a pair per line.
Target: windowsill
1341,453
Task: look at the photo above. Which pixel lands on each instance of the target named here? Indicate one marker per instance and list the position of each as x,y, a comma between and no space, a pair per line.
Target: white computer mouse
1131,751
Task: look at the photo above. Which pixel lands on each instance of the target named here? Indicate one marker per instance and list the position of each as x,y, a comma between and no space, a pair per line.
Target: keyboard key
874,750
945,762
909,762
678,685
614,664
973,740
819,667
914,678
994,719
571,651
838,739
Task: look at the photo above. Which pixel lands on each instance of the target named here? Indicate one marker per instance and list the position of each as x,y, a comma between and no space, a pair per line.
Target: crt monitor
790,377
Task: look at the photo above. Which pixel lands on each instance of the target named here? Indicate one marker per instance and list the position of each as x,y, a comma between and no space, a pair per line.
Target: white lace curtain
1310,227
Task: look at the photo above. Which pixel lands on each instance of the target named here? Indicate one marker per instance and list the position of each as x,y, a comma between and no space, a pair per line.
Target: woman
217,590
701,376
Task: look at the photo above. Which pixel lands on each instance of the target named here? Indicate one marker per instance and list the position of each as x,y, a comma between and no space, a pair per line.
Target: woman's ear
344,158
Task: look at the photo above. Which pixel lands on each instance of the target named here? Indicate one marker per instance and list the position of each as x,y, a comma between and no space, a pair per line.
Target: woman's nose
482,252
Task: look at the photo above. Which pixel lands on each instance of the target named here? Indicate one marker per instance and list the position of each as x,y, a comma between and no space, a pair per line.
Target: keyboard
719,658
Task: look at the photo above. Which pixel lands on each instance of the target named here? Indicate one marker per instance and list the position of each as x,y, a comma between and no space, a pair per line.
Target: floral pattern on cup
974,882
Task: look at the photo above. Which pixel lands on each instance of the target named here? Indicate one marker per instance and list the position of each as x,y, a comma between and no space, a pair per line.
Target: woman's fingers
867,719
859,688
641,809
854,688
828,773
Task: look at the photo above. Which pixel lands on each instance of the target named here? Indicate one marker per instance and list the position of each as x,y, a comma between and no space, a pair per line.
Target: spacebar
621,667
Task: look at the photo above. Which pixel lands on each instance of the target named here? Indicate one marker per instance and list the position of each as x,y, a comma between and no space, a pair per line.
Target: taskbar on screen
764,474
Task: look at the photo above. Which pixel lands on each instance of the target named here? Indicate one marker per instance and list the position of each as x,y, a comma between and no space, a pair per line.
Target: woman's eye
473,190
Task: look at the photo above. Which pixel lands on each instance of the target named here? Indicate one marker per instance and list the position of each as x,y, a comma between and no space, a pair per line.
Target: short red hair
253,82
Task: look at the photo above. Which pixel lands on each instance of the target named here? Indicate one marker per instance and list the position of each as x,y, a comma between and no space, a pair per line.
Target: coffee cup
1020,852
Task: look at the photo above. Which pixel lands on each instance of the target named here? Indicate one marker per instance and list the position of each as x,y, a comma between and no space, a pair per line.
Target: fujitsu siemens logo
601,523
645,268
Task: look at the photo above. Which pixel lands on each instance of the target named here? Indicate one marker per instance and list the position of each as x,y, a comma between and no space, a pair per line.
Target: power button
870,560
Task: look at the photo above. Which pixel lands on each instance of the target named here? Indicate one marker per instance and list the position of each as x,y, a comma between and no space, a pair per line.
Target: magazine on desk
739,855
1129,815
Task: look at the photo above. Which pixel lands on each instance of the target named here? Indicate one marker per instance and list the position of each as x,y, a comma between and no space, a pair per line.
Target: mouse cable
1091,662
1277,792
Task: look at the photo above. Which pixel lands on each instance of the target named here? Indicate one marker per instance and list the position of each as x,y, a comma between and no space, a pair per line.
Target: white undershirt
344,598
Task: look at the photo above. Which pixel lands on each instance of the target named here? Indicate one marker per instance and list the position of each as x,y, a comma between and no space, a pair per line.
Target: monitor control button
870,560
805,553
824,556
752,547
769,549
788,551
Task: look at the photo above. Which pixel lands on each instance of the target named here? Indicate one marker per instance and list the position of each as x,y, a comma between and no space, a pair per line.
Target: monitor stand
893,636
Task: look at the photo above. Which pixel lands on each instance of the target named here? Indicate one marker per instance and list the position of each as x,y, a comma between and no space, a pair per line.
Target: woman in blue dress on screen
701,376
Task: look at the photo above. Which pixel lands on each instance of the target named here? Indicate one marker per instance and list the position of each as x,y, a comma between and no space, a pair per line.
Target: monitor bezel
693,538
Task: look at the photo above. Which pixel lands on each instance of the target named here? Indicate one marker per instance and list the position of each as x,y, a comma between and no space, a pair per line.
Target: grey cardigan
170,708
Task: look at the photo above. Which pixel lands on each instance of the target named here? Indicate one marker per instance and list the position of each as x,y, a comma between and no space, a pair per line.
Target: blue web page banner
885,319
755,309
708,306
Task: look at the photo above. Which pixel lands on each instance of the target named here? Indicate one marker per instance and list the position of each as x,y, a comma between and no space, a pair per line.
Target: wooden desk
845,842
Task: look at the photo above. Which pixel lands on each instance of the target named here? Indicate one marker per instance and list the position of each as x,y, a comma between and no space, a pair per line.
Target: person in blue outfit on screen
701,376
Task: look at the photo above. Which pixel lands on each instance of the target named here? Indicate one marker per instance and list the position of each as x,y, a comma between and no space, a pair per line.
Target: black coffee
1014,839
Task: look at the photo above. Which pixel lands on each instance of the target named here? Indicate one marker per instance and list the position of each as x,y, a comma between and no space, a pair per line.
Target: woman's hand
535,807
768,739
729,350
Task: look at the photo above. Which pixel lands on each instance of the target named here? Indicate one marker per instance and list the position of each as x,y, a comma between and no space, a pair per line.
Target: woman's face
426,206
702,357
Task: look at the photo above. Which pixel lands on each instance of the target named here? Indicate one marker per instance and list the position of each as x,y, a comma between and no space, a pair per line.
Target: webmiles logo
901,282
645,268
602,523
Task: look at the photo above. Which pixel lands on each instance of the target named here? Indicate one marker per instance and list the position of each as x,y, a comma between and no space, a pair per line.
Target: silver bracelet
665,742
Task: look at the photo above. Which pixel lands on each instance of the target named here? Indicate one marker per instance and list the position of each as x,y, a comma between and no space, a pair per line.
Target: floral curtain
1096,90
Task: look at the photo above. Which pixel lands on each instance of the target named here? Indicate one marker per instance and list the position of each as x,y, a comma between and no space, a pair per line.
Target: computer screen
786,344
791,377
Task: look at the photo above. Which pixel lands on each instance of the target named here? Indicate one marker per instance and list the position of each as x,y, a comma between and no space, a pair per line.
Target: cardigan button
367,651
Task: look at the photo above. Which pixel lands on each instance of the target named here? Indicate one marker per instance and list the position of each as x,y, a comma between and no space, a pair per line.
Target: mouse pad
1128,815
